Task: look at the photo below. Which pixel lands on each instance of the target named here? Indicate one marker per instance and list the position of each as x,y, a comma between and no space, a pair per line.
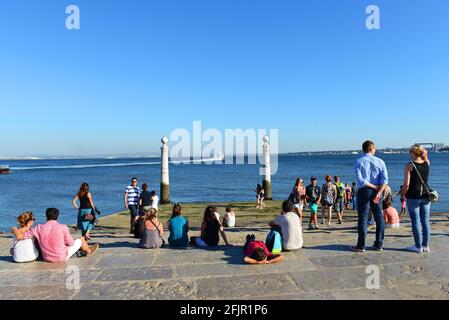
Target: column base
165,193
267,188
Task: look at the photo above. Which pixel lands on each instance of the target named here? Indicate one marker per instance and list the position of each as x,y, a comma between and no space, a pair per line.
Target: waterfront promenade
324,269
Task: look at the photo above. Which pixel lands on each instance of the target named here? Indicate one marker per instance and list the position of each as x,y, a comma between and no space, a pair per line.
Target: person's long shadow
7,259
234,255
329,247
120,244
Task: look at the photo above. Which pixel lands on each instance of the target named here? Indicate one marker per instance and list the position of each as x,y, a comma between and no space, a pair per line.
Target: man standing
313,196
131,200
339,202
372,178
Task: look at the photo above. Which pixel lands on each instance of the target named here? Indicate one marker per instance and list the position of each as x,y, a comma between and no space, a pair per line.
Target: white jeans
73,249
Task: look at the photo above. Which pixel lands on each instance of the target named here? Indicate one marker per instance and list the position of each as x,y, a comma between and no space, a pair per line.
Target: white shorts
392,226
73,249
298,206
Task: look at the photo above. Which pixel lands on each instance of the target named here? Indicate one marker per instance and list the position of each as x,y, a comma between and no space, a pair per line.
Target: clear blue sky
138,69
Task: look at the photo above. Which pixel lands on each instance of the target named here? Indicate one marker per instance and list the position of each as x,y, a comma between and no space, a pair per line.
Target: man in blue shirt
372,178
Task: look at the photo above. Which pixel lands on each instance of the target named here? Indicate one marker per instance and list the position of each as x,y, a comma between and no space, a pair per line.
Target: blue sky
136,70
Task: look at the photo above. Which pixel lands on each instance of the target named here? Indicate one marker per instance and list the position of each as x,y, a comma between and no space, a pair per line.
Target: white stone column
165,183
267,166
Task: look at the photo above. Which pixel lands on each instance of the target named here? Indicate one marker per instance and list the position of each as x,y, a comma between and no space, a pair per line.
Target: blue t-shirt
133,195
178,232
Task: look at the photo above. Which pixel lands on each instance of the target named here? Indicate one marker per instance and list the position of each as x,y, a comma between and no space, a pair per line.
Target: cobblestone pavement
323,269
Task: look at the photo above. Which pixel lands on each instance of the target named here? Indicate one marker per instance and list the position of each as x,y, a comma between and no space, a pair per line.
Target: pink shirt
54,240
253,245
391,215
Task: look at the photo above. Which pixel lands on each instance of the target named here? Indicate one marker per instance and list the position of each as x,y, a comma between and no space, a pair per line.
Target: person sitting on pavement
290,228
24,250
54,239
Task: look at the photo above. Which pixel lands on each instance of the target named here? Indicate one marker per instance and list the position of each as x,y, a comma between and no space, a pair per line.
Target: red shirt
254,245
54,240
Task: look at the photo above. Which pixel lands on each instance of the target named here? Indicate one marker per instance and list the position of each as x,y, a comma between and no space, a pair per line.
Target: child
229,218
256,252
391,215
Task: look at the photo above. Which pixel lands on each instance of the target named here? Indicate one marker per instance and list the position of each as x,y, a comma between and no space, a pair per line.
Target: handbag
433,195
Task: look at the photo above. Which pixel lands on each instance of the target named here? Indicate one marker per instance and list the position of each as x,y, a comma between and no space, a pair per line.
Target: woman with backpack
152,237
328,198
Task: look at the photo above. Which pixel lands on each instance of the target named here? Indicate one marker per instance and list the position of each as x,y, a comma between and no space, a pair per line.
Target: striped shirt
133,194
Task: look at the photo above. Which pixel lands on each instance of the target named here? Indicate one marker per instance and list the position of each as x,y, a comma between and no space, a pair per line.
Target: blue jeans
419,211
365,202
354,203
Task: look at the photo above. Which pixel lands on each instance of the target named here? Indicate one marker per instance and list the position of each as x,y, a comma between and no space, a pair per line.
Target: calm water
38,184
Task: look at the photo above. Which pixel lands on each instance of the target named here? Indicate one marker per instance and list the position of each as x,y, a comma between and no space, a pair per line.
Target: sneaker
414,249
426,249
357,249
375,248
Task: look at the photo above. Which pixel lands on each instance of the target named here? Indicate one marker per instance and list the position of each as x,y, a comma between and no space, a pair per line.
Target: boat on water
445,149
4,169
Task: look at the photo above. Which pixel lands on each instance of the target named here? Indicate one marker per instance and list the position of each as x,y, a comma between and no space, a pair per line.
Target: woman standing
328,198
348,195
260,196
86,209
418,203
298,197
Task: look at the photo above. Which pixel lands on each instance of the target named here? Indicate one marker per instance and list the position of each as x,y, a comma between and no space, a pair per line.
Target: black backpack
139,228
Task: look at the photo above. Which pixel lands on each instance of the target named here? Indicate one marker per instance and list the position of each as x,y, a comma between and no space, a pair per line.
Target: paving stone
43,277
37,292
138,290
339,279
130,274
245,286
140,259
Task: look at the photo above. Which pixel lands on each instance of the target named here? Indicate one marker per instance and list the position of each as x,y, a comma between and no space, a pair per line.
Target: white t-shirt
155,202
24,250
291,230
230,219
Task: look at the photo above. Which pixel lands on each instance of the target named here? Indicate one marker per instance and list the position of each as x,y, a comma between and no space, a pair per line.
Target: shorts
73,249
338,206
298,206
134,210
392,225
313,208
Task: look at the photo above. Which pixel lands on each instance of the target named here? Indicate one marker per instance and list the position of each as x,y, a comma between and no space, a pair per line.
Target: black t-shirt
145,196
312,193
211,233
417,190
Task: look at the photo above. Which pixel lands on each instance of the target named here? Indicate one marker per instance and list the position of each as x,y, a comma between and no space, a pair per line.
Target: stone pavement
324,269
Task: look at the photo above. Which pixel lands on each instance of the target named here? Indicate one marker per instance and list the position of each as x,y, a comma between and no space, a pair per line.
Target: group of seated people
55,244
51,240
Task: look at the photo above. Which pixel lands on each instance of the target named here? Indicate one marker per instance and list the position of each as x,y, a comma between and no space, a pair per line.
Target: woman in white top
229,218
24,250
154,200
